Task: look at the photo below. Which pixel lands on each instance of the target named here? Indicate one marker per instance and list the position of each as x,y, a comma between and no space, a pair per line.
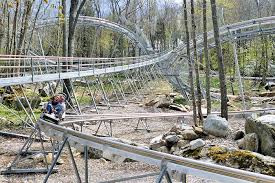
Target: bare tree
75,10
25,24
64,28
206,58
190,63
195,58
224,109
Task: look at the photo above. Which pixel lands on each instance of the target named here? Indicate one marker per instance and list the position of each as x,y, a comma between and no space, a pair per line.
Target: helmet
63,95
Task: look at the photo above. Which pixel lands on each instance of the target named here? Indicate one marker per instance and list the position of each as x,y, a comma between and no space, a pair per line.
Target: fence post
32,69
58,67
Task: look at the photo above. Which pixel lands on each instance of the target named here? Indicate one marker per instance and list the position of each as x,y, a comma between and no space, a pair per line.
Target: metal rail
33,69
99,22
180,164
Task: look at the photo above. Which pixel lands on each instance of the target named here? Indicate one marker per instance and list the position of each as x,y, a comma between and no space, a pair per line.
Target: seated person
60,108
55,109
50,108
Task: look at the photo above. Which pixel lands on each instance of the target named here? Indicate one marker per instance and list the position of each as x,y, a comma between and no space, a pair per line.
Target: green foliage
179,100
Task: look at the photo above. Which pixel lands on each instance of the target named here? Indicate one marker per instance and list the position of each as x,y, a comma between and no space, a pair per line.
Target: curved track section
99,22
29,69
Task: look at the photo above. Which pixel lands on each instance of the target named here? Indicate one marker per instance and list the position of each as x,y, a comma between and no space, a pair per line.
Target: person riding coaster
54,110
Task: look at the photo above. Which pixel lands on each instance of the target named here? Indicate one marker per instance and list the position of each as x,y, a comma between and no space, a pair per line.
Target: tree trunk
64,28
14,29
73,17
25,24
206,58
224,109
190,63
196,61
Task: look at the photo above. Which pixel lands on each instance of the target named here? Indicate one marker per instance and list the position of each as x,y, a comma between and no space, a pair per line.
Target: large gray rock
157,142
113,157
195,144
264,127
189,135
171,139
250,142
215,125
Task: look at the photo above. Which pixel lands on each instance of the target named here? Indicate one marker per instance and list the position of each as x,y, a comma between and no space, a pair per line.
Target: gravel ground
101,170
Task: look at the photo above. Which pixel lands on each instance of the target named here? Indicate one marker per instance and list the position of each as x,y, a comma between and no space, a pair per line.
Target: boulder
156,139
216,126
250,142
157,142
189,135
239,135
185,127
199,131
195,144
163,149
113,157
182,143
171,139
264,127
175,149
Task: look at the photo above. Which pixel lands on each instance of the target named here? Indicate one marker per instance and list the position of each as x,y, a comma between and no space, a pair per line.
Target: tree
224,109
25,24
190,63
206,58
195,58
75,10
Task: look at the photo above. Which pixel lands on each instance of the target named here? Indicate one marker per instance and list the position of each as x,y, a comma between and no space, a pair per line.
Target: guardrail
22,70
171,162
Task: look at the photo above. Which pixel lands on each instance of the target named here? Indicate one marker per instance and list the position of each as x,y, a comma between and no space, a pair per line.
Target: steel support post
26,144
133,84
43,148
183,178
130,84
28,103
86,164
55,160
92,94
122,89
104,93
76,101
74,163
119,89
114,90
238,74
164,172
26,112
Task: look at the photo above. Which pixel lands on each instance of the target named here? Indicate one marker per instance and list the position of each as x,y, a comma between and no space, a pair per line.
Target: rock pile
260,135
179,140
187,141
172,101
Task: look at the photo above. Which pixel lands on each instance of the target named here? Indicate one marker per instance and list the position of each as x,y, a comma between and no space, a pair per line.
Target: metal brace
163,172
